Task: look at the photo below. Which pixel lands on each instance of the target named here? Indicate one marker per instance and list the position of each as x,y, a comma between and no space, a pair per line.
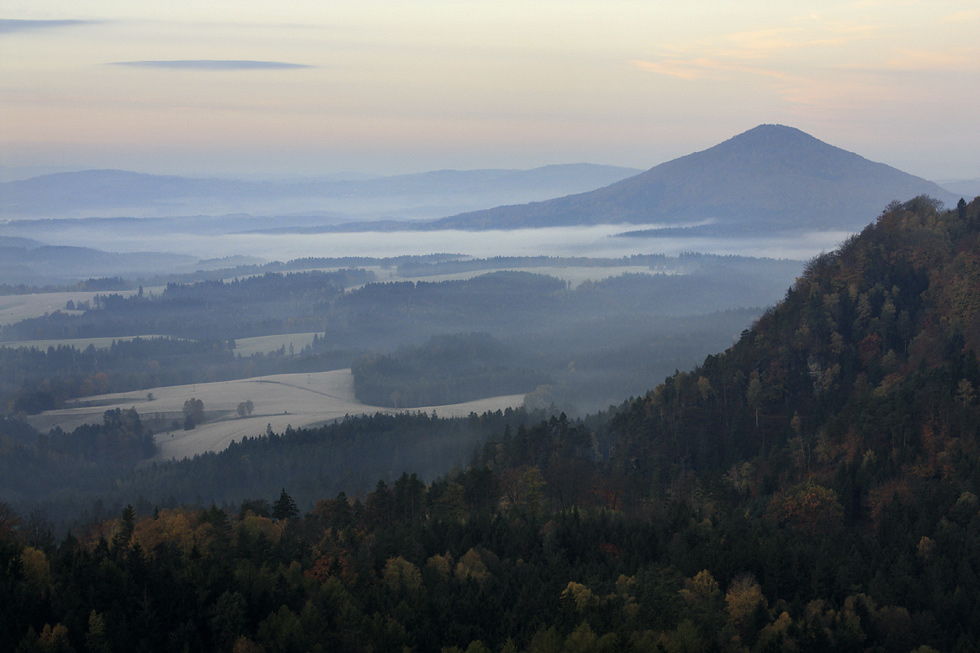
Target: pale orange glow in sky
383,86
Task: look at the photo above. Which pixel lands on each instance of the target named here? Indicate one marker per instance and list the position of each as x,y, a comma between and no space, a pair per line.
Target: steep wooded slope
870,363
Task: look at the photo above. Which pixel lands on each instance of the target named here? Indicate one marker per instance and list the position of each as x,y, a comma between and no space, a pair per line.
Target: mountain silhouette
771,175
111,193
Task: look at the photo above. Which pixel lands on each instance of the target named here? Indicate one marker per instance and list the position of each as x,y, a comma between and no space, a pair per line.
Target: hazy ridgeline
586,346
838,425
295,202
571,317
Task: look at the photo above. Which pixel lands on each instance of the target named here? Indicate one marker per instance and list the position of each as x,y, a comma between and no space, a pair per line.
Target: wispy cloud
701,67
760,51
213,64
763,42
962,16
925,60
10,25
767,54
681,69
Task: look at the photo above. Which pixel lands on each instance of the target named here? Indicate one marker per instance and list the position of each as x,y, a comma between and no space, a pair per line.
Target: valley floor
280,400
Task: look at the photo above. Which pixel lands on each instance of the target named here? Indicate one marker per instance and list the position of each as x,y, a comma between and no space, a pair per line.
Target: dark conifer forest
812,488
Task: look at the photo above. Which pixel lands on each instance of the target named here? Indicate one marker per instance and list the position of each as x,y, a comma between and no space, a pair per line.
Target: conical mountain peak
769,176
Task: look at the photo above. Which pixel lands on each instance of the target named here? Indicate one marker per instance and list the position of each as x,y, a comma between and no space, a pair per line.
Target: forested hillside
812,488
873,351
256,305
541,319
447,369
67,476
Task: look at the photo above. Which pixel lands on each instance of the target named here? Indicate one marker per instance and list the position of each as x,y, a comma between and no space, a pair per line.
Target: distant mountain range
23,261
112,193
967,188
771,176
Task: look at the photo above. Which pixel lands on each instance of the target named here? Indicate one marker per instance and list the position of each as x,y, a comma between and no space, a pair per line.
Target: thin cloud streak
705,66
962,16
922,60
769,54
213,64
12,25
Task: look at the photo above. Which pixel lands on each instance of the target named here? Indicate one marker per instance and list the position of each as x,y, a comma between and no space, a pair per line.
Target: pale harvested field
14,308
77,343
280,400
269,344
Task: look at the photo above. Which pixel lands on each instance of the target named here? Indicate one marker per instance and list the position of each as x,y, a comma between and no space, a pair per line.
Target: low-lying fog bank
598,241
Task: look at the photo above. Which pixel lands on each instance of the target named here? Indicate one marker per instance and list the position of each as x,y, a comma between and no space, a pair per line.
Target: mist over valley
489,327
567,295
772,336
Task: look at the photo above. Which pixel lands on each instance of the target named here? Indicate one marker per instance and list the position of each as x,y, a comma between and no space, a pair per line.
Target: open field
77,343
14,308
269,344
280,400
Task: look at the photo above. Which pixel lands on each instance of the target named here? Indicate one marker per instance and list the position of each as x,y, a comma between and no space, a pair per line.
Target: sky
252,87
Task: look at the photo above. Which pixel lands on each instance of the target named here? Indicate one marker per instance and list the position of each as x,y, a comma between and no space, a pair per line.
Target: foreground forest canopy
813,488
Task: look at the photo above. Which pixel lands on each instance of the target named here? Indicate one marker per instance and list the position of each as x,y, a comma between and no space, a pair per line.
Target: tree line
447,369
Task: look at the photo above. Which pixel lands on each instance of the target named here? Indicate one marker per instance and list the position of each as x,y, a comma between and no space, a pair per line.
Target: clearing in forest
279,400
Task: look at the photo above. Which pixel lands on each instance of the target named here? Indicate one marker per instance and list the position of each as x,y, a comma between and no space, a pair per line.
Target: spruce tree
284,507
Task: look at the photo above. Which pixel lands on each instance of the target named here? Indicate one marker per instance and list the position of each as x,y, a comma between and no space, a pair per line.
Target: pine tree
127,525
284,507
